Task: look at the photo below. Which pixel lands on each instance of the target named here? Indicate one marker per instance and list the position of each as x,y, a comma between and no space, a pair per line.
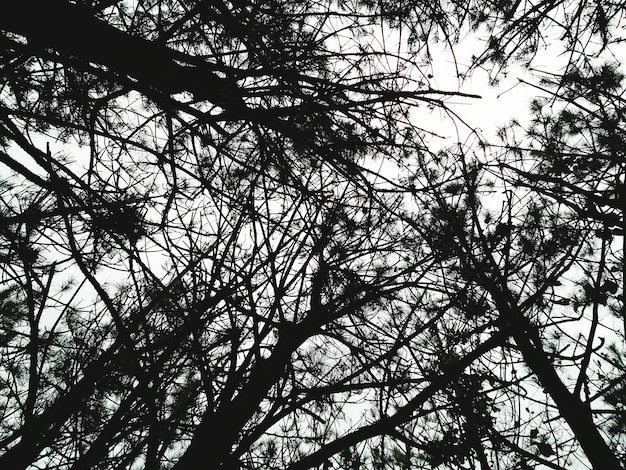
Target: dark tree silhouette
230,239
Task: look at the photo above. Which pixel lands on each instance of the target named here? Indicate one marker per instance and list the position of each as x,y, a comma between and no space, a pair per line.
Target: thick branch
71,30
388,423
576,413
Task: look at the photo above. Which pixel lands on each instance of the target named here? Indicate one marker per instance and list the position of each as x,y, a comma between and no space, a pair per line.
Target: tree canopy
231,236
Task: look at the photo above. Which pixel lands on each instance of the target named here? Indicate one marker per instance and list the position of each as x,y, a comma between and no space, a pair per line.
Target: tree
226,243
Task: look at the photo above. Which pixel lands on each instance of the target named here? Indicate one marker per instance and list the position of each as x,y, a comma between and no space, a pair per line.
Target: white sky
497,106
